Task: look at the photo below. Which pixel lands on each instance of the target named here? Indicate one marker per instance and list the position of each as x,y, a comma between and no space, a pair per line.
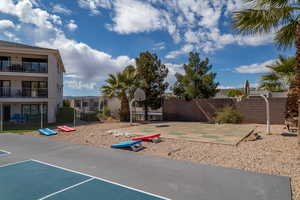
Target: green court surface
230,134
34,180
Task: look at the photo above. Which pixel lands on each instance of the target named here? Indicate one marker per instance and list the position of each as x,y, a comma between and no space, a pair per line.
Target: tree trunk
294,90
125,110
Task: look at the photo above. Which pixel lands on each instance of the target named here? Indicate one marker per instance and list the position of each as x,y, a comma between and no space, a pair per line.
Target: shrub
229,115
91,117
65,115
234,93
105,114
66,103
106,111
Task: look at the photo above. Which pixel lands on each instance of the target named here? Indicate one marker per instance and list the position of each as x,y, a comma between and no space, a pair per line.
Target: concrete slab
166,177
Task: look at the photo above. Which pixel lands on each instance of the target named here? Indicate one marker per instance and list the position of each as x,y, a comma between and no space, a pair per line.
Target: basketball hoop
139,95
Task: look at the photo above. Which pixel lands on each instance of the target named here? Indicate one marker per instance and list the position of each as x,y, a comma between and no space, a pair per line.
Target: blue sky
97,37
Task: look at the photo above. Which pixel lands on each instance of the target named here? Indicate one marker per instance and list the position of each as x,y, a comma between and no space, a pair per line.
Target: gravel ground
273,154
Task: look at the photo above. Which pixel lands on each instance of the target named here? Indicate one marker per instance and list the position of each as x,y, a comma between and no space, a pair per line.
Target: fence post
41,115
1,115
74,116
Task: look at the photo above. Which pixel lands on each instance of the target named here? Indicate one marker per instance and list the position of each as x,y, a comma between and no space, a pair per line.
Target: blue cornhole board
134,145
47,132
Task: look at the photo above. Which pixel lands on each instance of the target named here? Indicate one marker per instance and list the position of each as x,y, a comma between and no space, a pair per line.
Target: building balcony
23,92
24,67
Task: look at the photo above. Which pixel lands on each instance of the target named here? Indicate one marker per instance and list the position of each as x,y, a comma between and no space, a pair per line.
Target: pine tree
198,81
151,73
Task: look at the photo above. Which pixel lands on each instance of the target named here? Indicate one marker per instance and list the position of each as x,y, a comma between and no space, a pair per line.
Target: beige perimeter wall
253,109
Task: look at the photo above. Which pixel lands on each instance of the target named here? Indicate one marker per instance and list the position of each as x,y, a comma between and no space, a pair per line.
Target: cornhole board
66,128
134,145
47,132
154,138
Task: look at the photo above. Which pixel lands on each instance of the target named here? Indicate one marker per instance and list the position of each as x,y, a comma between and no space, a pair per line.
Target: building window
34,109
85,104
34,88
35,65
4,63
77,103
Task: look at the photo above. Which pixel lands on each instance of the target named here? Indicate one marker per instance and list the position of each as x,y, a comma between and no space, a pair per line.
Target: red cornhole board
66,128
154,138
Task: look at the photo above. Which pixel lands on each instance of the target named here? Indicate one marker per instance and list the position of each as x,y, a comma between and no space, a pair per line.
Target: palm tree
121,85
281,76
282,17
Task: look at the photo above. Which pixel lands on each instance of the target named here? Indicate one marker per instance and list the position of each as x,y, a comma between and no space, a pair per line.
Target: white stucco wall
55,87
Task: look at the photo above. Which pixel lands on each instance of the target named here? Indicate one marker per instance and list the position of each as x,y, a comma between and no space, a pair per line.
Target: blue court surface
35,180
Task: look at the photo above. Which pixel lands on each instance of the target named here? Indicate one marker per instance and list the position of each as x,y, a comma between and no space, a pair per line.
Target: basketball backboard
139,95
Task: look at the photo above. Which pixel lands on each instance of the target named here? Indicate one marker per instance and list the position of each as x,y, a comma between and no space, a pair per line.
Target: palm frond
253,21
285,37
274,3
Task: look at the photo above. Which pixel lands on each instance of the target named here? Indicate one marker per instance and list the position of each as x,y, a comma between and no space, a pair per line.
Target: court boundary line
67,188
7,152
102,179
14,163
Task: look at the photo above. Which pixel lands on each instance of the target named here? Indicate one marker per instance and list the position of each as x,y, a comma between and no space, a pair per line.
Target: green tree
121,85
66,103
151,73
281,76
234,93
283,17
198,81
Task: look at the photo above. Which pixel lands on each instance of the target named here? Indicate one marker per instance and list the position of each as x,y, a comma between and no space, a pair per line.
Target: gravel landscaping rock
276,154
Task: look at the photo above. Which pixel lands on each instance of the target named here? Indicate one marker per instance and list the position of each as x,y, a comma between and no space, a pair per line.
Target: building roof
8,44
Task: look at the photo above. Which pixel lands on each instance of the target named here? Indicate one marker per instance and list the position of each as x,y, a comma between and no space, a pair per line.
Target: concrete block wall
253,109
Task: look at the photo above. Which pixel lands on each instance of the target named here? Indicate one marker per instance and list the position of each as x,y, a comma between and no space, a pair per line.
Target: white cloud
4,24
72,26
79,85
255,68
159,46
227,87
85,65
197,22
173,69
186,49
94,5
11,35
132,16
24,10
57,8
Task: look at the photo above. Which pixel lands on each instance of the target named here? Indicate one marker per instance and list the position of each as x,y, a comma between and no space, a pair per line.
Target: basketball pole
130,106
268,113
74,120
265,97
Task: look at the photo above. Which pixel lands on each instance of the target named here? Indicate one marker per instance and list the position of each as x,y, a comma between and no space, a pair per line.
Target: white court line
7,152
101,179
14,163
67,188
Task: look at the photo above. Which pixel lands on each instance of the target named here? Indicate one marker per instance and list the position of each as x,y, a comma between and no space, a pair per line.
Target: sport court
230,134
39,168
38,180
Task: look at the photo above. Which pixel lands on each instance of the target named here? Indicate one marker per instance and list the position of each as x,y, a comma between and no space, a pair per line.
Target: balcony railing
29,67
7,92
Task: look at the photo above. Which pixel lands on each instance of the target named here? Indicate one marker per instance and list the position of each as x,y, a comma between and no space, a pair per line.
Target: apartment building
31,81
92,104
